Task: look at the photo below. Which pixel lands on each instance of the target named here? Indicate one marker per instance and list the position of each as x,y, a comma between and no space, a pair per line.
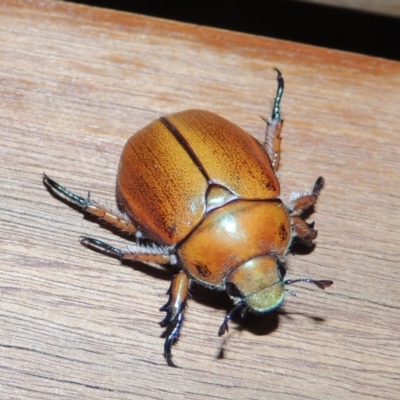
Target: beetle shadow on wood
260,325
298,248
257,324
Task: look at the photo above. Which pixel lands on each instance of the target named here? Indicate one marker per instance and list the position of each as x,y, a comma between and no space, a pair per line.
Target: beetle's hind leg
299,203
114,217
174,308
272,141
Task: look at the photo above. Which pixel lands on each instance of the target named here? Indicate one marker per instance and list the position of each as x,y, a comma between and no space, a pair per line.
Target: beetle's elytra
205,196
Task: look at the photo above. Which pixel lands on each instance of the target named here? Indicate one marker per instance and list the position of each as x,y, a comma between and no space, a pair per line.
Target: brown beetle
205,197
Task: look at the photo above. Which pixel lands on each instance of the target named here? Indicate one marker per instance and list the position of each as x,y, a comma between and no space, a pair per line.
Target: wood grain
76,82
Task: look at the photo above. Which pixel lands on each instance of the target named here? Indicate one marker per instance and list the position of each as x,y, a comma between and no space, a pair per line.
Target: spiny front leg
298,204
174,308
272,142
114,217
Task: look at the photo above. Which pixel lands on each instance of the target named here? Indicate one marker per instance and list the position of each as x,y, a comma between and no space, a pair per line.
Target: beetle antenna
322,284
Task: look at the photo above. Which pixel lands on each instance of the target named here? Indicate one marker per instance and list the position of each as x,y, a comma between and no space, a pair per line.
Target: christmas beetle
200,194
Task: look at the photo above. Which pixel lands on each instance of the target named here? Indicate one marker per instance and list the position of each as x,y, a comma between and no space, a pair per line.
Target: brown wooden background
75,83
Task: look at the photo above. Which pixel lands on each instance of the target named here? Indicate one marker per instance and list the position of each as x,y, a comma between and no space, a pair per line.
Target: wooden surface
76,82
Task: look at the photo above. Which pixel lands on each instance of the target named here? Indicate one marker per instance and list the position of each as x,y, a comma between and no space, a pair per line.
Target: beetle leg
303,230
178,293
300,203
145,253
174,308
272,142
114,217
102,246
171,338
224,326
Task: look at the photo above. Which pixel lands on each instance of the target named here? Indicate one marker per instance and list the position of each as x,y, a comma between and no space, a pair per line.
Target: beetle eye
232,290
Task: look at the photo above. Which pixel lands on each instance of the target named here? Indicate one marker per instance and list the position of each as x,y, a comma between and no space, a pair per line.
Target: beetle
200,194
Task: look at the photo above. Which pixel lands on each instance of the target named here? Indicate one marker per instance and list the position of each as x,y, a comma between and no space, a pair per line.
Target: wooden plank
76,82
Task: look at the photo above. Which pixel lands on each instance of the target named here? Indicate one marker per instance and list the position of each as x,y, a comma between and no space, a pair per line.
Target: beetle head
258,283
